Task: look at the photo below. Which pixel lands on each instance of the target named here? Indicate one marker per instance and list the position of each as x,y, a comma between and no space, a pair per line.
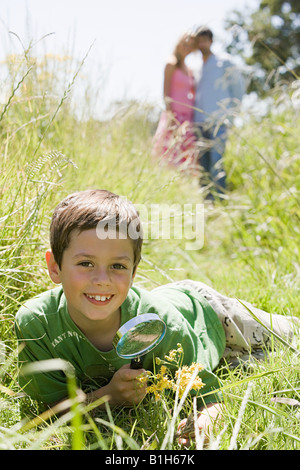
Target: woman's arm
169,70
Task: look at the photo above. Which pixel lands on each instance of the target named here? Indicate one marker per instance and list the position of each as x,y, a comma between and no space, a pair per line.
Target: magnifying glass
138,336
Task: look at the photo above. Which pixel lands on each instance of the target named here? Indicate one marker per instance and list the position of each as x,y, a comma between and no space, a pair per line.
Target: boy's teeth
101,298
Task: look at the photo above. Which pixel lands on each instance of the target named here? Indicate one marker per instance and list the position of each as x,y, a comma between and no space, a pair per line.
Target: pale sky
131,38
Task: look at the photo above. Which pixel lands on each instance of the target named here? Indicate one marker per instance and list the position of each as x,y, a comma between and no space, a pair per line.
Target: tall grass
251,251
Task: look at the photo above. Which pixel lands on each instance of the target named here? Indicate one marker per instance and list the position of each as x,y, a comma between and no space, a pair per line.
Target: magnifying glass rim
142,318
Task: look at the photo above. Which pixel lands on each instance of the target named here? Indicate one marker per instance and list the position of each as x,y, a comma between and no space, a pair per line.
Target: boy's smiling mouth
99,298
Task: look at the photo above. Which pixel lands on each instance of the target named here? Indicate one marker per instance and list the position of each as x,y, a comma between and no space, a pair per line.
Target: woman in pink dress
174,140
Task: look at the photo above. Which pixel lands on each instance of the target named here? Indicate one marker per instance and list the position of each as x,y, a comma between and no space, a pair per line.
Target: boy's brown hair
95,208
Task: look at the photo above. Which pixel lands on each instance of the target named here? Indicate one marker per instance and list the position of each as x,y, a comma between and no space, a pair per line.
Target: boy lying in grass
78,320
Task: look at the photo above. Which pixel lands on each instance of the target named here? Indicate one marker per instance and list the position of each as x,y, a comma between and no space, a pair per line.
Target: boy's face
96,276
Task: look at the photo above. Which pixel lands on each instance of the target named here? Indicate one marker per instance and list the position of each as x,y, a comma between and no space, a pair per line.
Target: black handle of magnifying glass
136,363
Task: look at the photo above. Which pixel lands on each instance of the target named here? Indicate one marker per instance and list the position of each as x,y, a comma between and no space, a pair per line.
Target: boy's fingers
128,374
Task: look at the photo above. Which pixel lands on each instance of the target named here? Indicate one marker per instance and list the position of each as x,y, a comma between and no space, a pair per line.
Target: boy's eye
89,264
85,264
118,266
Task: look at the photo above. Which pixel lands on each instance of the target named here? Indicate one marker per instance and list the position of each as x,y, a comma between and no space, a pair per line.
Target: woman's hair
184,37
112,216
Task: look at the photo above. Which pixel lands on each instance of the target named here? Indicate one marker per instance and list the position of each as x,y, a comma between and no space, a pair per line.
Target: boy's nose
101,276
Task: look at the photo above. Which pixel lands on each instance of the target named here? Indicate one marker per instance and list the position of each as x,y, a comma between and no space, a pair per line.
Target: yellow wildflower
174,354
163,380
183,377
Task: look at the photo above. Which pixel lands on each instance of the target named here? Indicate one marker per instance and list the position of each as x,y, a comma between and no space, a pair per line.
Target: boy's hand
125,388
207,418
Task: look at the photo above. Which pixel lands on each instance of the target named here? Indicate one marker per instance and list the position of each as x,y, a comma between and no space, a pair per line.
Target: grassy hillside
250,249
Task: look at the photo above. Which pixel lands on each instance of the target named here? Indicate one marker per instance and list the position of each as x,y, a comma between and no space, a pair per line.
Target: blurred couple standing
193,128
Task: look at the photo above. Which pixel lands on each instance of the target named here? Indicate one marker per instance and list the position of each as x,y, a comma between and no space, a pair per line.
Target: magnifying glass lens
140,339
139,336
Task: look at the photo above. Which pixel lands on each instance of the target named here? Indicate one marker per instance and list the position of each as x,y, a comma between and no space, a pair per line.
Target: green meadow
250,250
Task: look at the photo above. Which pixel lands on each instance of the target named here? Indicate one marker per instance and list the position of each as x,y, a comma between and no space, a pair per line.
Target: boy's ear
133,276
53,268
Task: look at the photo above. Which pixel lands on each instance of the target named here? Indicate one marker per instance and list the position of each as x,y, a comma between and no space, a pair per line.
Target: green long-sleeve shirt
48,331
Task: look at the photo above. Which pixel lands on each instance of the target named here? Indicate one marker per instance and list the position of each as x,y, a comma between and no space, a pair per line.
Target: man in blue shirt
220,89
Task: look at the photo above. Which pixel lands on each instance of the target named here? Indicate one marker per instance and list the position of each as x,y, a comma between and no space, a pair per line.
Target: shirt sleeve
236,84
196,327
209,393
48,387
